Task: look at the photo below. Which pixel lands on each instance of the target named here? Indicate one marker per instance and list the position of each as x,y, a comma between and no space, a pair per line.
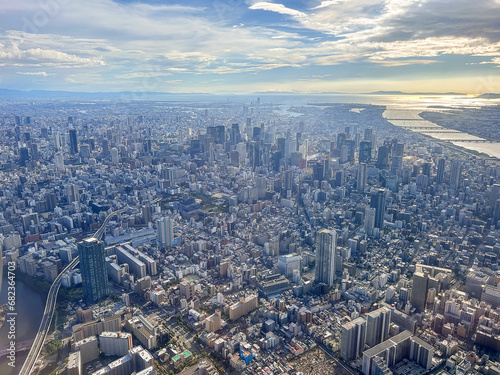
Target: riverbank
29,306
410,120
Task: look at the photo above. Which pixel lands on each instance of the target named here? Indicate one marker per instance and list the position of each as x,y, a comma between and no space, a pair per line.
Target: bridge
20,347
441,132
470,140
50,305
432,128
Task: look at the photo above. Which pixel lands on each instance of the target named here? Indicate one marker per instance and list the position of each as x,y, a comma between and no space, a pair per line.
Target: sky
244,46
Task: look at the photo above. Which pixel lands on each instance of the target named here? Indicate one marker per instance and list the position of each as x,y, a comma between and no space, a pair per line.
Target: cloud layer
219,45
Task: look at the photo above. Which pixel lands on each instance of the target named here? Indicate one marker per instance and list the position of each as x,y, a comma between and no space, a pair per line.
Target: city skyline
250,46
250,187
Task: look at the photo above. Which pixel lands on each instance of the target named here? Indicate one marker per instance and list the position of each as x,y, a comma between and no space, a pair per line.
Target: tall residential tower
93,268
325,256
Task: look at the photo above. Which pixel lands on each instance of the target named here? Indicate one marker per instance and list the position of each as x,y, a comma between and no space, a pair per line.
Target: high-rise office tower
105,147
147,213
351,147
341,137
73,142
440,171
378,202
370,220
299,141
377,326
93,269
288,180
255,154
383,157
426,169
368,134
281,146
419,291
168,175
24,156
398,149
494,195
325,256
218,133
235,135
496,213
35,154
59,161
397,165
115,155
72,193
361,177
352,339
344,154
165,232
365,151
455,174
421,352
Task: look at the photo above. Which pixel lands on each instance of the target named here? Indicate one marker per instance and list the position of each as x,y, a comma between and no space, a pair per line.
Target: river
409,119
403,111
29,307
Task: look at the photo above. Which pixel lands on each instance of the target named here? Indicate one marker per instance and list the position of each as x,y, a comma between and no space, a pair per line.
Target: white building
115,343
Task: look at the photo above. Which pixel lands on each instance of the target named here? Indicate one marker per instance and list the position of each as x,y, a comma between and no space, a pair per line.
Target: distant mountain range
71,94
489,96
413,93
35,94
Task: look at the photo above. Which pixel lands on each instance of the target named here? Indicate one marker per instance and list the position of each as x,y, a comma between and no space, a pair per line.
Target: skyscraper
377,326
165,232
455,174
365,151
72,193
494,196
235,135
361,178
440,171
59,161
352,339
146,213
325,256
73,142
370,220
368,134
24,156
383,157
419,291
93,268
378,202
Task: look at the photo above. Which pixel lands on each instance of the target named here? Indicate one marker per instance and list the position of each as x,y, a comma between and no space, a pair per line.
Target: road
46,320
328,353
50,305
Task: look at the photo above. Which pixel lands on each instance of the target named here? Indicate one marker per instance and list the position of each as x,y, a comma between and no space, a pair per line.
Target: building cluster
252,243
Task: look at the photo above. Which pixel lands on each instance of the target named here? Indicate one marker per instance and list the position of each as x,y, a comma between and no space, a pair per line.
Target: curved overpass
50,305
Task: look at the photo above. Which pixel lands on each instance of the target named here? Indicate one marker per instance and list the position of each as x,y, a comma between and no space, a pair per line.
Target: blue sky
244,46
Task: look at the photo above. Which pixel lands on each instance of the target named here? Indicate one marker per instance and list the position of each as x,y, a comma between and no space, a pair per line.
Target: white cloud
404,62
12,55
278,8
495,60
142,75
125,42
43,74
327,3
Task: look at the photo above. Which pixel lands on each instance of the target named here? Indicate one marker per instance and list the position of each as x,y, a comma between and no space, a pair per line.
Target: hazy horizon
248,46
